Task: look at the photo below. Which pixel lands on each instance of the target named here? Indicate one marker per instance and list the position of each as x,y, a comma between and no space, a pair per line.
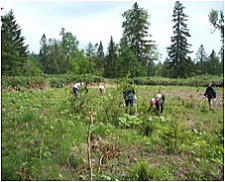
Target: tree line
134,55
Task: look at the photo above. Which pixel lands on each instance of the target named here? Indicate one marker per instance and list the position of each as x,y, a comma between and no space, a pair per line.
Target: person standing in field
135,105
128,95
75,88
210,93
158,101
102,89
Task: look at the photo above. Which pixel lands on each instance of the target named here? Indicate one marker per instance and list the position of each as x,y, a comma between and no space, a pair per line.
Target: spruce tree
100,54
136,36
14,50
180,48
43,53
110,66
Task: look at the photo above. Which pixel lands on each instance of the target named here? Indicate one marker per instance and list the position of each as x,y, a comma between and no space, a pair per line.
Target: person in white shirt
102,89
75,88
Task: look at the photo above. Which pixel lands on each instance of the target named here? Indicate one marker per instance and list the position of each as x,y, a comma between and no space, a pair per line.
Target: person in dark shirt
210,93
128,95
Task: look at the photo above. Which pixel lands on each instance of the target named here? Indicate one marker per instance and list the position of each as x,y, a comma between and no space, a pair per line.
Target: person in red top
158,101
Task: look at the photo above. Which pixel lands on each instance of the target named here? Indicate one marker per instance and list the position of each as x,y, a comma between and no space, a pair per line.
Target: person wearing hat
210,93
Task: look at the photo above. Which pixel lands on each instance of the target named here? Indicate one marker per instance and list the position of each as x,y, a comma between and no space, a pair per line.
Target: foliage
14,50
128,63
101,58
110,67
55,55
79,64
213,65
216,18
140,172
174,136
20,82
136,37
32,68
201,59
40,82
128,121
180,64
43,137
196,81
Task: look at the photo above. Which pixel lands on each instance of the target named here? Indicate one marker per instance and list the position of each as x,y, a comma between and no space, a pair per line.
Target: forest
136,54
50,133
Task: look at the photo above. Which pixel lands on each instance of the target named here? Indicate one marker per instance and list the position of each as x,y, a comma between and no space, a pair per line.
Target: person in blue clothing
129,95
210,93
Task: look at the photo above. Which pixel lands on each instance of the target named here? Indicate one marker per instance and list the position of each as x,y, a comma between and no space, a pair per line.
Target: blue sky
92,21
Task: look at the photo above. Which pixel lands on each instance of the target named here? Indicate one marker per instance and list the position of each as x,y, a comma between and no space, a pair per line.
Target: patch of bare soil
187,95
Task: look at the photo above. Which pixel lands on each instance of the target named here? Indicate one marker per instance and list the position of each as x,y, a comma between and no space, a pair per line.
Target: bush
40,82
140,172
20,82
174,136
193,81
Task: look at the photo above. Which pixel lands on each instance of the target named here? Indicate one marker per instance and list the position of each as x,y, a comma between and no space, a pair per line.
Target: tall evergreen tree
111,60
14,50
135,34
180,48
43,52
201,59
100,54
128,63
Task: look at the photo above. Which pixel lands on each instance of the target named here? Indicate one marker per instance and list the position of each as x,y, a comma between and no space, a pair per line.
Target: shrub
192,81
128,121
140,172
174,136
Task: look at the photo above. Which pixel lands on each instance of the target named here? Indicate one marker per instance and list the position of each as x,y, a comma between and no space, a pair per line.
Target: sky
95,21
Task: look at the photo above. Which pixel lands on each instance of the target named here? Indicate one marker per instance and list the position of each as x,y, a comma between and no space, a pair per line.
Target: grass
44,135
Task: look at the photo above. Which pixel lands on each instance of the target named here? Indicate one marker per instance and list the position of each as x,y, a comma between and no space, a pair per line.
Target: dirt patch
185,94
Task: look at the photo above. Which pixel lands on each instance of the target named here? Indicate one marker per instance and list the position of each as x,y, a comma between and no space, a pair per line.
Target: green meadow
44,135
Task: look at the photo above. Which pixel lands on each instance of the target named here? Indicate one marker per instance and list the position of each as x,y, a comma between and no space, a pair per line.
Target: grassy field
44,135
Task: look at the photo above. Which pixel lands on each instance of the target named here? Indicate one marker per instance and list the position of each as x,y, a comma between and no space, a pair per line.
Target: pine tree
110,66
179,49
101,58
135,34
14,50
